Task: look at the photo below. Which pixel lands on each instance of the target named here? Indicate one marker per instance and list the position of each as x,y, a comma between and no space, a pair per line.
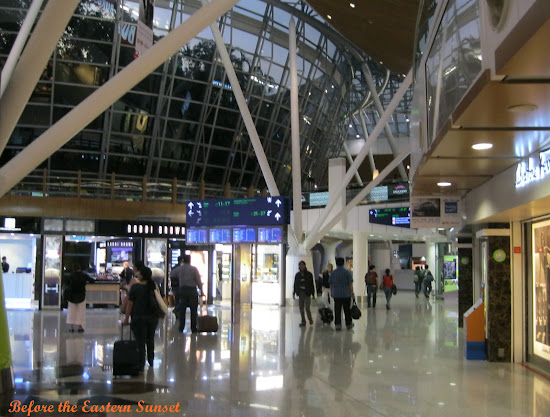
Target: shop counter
266,292
103,292
18,289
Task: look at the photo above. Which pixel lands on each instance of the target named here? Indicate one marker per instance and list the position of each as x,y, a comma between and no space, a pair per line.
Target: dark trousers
371,293
144,328
188,298
338,304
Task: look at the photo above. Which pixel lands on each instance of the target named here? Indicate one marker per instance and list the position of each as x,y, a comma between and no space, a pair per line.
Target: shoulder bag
354,310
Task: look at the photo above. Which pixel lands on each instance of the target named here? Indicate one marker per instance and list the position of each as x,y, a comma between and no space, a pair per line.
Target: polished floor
407,361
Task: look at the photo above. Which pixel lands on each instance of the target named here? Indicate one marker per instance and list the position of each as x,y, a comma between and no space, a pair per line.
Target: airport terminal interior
250,135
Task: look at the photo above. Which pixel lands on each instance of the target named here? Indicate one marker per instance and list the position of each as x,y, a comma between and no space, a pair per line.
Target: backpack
370,278
428,277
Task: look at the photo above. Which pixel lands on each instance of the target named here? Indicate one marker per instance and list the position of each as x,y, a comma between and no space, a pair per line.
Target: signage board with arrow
261,211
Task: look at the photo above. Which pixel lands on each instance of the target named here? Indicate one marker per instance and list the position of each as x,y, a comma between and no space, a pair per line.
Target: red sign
517,249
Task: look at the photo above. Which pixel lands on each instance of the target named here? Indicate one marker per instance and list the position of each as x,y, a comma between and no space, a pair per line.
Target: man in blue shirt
341,286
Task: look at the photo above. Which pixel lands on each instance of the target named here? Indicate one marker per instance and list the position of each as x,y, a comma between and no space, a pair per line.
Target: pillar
360,262
336,174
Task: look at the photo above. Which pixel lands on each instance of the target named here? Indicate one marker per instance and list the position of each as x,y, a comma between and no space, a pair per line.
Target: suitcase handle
122,325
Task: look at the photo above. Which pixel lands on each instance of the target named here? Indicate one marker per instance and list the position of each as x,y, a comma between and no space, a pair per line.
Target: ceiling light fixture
482,146
522,108
329,16
444,184
352,5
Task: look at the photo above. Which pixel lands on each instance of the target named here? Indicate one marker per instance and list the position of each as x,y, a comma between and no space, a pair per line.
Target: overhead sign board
393,216
431,212
262,211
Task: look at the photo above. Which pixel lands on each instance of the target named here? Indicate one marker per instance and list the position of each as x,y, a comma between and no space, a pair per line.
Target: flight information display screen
244,235
196,236
270,235
393,216
220,235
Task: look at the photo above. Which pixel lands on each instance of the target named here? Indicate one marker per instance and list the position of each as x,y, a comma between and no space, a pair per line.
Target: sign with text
262,211
430,212
393,216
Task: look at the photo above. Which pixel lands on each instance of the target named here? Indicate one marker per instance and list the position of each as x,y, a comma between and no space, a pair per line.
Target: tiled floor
407,361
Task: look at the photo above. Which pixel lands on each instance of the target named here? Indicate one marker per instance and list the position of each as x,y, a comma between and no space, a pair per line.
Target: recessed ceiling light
352,5
482,146
329,16
522,108
444,184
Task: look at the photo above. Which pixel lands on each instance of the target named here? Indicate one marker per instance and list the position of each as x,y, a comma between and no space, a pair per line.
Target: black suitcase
326,315
125,356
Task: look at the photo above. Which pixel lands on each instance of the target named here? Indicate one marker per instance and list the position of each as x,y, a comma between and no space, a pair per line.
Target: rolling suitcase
326,315
125,356
206,323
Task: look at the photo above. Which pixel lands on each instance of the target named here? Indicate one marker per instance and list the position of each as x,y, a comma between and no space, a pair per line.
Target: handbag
354,310
393,289
158,307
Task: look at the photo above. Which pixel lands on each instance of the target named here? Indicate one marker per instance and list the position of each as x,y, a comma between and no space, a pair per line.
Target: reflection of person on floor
74,346
302,361
341,365
371,335
388,332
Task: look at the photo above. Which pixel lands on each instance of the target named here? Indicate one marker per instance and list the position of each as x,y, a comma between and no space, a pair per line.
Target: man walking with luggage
341,285
303,288
189,280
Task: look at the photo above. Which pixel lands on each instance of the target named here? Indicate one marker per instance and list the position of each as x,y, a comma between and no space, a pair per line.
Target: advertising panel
431,212
541,285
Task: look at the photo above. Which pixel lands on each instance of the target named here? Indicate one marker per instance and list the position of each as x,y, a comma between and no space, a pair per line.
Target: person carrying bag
387,286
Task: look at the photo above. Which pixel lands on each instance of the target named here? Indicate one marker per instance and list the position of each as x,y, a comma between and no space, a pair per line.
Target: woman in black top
143,323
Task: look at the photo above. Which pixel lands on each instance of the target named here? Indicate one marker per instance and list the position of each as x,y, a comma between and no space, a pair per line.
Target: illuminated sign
395,216
244,235
157,230
533,170
220,235
197,236
238,212
270,235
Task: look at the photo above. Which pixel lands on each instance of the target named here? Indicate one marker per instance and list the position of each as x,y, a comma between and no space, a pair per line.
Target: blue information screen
261,211
220,235
244,235
270,235
196,236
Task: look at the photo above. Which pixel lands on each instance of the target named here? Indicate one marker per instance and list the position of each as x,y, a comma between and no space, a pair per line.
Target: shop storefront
19,239
538,294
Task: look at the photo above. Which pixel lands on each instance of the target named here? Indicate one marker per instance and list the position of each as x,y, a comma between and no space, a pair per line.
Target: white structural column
380,110
31,64
60,133
360,262
18,45
330,253
245,112
365,133
396,99
295,132
336,173
431,259
314,237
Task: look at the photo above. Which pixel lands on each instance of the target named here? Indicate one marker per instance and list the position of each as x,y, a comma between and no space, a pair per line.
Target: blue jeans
427,288
387,291
418,287
371,292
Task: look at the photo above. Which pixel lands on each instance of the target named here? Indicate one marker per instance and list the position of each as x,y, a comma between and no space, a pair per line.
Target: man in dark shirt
303,288
189,280
5,265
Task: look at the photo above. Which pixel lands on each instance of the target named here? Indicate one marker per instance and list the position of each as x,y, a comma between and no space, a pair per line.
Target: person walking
143,321
175,285
76,297
418,279
303,288
386,285
325,283
428,279
371,282
189,280
341,286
